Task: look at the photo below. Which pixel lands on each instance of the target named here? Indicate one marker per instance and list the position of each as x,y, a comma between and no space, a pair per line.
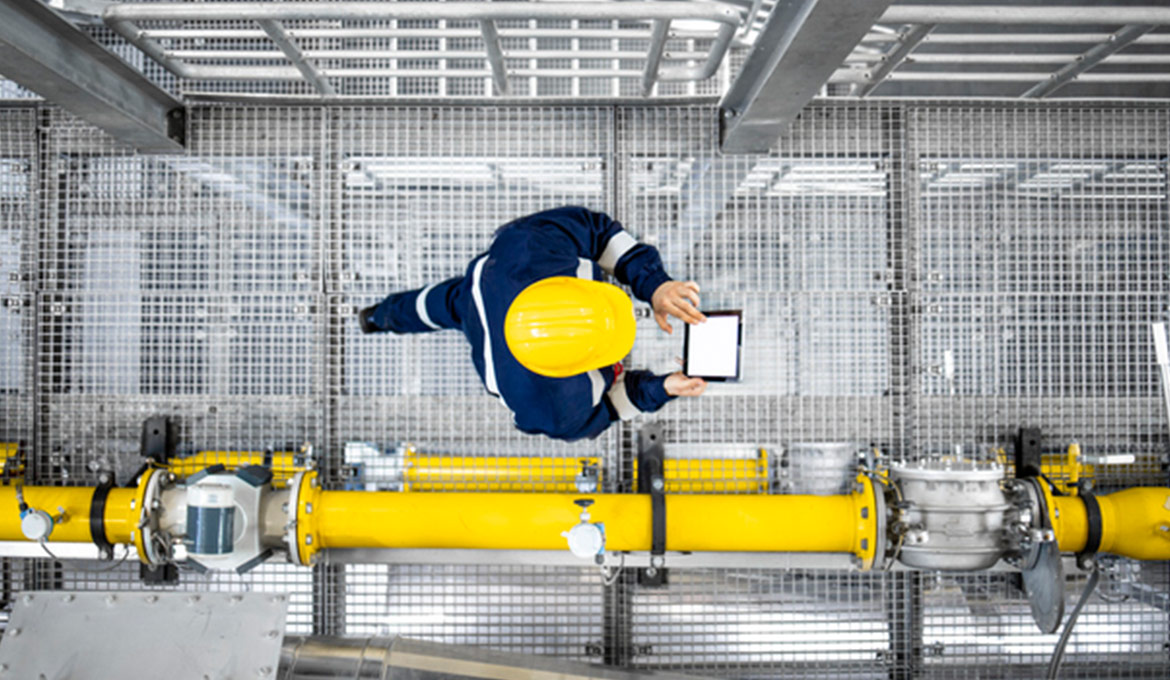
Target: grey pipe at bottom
382,658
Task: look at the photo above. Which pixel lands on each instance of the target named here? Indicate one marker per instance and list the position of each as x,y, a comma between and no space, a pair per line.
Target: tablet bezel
738,313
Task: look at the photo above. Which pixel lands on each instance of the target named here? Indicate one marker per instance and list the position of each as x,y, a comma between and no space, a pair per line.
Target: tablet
711,350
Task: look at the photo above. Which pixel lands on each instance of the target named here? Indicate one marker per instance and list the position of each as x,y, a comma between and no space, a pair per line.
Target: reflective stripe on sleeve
621,401
619,244
584,269
420,306
597,381
489,367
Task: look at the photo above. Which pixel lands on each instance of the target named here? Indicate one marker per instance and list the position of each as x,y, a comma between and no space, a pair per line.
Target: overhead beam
802,44
45,53
894,58
1117,42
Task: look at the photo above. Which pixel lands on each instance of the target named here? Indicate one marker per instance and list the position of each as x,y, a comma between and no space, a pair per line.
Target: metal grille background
914,277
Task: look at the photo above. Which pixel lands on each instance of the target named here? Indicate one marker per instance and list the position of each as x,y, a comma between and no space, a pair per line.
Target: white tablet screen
713,347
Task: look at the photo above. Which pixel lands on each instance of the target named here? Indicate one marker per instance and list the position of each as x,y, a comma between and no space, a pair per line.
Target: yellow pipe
1134,523
425,472
70,503
517,521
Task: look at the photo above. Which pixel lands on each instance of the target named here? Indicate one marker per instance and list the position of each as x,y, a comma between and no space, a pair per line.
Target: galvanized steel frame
124,19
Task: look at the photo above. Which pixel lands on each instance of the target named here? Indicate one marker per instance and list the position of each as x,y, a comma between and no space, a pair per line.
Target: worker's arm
595,236
424,309
633,393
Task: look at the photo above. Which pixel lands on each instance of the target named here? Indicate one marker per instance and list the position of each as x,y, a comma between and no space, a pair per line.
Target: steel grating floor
915,276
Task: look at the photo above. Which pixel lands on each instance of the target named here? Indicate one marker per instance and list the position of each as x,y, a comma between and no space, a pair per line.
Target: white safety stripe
489,367
598,382
621,401
584,269
619,244
420,306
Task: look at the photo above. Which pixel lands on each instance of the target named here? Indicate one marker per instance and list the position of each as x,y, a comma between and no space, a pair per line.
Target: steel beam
1117,42
801,45
45,53
275,31
894,58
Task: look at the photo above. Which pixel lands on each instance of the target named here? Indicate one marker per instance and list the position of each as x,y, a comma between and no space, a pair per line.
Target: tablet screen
712,348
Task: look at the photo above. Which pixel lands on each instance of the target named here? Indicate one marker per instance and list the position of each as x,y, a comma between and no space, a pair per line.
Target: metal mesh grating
552,611
1028,243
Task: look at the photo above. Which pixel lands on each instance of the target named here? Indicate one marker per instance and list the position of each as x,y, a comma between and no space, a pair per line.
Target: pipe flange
300,538
154,545
290,527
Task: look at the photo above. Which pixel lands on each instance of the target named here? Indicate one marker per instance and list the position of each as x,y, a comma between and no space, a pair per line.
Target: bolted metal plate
1044,585
186,636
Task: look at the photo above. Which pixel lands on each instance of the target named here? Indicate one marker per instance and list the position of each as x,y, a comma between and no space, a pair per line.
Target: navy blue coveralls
566,241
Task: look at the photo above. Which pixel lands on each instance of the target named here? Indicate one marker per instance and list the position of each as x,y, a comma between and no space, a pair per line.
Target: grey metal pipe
277,34
859,76
654,57
895,57
381,11
495,55
1098,53
445,55
1010,14
248,33
382,658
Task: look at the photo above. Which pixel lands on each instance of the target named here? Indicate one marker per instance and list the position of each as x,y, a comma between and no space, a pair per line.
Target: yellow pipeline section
70,505
425,472
518,521
1134,522
429,472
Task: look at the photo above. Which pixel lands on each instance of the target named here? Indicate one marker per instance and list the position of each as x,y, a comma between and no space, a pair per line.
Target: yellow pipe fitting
518,521
423,472
10,462
1135,522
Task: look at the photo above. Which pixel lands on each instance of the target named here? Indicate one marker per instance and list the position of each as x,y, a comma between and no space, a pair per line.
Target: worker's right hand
679,299
677,384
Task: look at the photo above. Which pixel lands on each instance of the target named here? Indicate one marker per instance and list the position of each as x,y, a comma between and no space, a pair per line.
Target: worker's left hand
679,299
678,384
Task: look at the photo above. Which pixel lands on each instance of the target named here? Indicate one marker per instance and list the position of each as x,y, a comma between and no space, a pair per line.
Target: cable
125,554
1058,653
614,573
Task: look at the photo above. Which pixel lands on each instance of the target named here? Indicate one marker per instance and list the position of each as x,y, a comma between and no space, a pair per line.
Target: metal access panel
109,635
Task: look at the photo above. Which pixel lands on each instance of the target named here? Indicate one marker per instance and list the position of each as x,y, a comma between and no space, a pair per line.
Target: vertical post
902,262
903,594
329,579
903,604
617,634
329,599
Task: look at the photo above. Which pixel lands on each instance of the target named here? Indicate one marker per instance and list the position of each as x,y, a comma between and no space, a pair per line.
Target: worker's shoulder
551,406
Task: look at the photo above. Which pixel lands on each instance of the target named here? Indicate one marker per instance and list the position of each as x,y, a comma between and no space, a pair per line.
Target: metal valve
586,540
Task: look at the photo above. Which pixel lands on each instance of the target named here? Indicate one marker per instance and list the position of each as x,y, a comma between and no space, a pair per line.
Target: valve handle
583,502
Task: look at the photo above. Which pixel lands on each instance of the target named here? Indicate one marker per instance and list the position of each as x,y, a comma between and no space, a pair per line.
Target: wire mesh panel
764,624
798,240
1042,263
914,278
554,611
418,193
17,243
971,618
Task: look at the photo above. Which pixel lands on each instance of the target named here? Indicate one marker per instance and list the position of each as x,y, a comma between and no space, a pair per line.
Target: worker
547,336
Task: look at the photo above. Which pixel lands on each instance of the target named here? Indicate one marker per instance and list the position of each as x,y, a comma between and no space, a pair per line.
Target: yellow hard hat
562,326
